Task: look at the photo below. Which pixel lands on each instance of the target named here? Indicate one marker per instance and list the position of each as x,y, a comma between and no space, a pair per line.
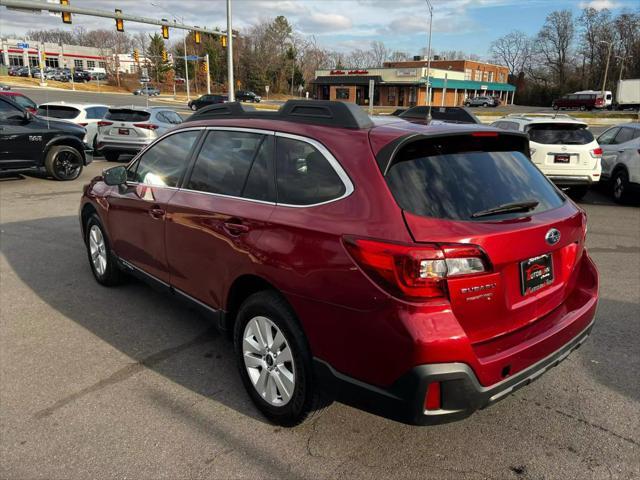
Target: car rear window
559,134
55,111
127,115
427,181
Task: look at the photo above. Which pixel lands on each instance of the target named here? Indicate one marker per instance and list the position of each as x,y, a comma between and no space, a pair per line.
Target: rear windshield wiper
525,206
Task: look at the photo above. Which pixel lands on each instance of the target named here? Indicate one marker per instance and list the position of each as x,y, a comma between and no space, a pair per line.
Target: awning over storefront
469,85
347,80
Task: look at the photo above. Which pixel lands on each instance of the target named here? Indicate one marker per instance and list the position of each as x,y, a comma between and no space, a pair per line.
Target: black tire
620,186
555,107
305,397
112,275
94,144
63,162
577,193
582,108
485,105
110,156
193,107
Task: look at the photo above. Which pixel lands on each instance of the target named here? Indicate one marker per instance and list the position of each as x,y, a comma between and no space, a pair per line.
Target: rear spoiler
443,114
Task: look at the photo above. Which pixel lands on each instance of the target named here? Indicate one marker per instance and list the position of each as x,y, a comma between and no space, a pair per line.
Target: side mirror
115,175
27,116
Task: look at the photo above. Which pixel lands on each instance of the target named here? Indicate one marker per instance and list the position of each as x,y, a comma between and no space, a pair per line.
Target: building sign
350,72
406,72
483,87
337,72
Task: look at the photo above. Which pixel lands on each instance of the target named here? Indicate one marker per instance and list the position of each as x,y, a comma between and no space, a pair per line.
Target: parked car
151,91
179,80
23,72
22,100
607,96
31,144
580,101
621,160
4,87
206,100
100,76
562,147
481,101
246,96
62,75
81,76
421,272
86,115
13,71
127,130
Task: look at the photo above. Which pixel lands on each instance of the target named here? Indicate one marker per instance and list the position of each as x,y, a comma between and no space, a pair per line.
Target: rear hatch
450,189
59,112
562,146
127,125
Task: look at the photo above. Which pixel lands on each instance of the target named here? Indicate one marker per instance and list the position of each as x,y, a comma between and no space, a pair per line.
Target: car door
21,138
137,211
609,150
216,219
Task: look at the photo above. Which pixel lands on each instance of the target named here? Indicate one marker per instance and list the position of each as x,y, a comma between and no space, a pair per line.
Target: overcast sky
468,25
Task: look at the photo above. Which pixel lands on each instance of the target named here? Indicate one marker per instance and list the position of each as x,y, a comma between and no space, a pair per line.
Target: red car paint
350,322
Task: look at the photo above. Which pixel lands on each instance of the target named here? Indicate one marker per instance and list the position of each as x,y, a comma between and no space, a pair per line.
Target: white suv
562,147
86,115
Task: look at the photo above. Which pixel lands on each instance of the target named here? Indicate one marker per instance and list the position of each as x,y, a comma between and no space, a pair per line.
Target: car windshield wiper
525,206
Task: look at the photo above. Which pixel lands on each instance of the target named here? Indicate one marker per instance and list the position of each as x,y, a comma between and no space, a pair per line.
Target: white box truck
628,94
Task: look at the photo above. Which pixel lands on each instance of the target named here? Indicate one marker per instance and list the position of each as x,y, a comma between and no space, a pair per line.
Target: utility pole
606,69
428,90
206,59
232,95
186,64
622,59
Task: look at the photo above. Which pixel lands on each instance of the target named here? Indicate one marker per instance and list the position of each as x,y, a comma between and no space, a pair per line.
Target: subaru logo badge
553,236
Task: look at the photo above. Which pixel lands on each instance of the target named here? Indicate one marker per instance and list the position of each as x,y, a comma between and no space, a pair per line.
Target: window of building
52,62
77,64
467,74
162,165
490,76
501,77
91,64
224,162
33,61
304,175
15,60
478,76
342,93
391,96
485,76
102,65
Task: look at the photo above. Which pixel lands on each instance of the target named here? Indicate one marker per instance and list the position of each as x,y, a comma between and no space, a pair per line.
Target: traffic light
223,41
66,16
136,55
119,22
203,67
196,36
165,56
165,30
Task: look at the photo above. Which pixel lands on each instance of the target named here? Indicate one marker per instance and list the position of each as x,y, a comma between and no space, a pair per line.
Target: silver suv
483,101
127,130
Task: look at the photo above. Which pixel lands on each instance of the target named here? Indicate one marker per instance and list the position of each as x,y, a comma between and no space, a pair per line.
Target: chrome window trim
221,195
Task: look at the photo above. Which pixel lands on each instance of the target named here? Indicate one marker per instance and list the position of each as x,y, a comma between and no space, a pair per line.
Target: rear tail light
103,123
147,126
432,398
484,134
415,272
596,152
83,124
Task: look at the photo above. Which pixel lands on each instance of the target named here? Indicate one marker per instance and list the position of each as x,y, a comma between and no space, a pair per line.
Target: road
126,383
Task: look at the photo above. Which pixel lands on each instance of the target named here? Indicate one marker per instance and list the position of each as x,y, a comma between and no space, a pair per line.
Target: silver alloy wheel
98,250
268,360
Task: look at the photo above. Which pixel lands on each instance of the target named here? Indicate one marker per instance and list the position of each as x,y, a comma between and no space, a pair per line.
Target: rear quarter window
559,134
63,113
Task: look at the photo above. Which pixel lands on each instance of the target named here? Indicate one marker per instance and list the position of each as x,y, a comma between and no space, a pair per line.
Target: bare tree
513,51
398,56
379,54
554,42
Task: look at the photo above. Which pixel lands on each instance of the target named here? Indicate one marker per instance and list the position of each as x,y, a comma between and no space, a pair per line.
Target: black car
246,96
205,100
81,76
32,144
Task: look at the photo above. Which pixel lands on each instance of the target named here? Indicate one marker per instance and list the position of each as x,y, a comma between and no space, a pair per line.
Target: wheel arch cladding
65,140
87,210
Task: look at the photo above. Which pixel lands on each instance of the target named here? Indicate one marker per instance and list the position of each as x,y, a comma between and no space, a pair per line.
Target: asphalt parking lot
125,383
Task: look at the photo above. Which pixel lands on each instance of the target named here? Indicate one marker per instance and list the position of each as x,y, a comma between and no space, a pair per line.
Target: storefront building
14,53
403,84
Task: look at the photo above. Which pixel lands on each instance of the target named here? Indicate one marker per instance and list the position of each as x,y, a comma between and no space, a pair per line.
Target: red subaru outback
417,271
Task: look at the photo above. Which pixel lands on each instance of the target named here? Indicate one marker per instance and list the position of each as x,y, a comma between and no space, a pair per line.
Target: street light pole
606,68
428,89
622,59
186,63
232,95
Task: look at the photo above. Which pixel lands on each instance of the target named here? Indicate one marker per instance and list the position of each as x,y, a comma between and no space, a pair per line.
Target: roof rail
315,112
541,114
444,114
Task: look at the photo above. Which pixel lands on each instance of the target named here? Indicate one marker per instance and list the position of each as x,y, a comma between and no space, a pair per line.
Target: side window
607,137
260,184
304,175
163,164
624,135
173,117
9,112
162,118
511,126
224,162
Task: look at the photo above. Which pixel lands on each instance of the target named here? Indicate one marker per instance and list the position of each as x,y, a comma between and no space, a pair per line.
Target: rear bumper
131,148
461,392
573,180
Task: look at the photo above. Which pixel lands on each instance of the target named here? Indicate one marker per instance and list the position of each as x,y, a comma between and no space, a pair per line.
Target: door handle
235,227
156,212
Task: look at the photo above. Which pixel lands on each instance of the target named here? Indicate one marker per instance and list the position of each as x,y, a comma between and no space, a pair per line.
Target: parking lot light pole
232,95
428,91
